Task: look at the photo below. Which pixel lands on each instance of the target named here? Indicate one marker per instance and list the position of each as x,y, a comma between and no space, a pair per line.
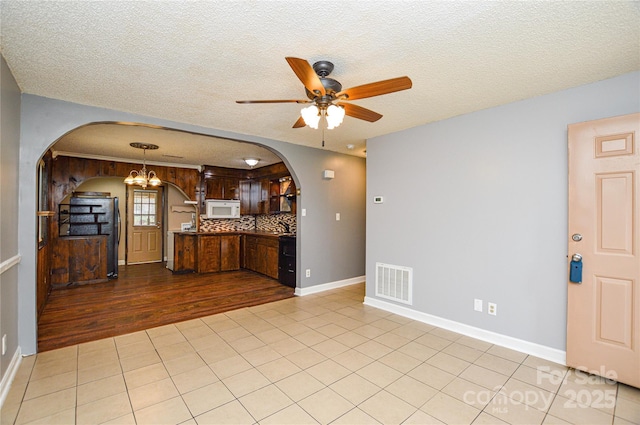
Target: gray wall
333,250
477,205
9,156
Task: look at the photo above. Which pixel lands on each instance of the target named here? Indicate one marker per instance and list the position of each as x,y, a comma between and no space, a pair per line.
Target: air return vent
394,283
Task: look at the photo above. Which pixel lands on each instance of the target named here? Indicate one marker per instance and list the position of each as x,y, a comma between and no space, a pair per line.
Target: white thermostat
378,199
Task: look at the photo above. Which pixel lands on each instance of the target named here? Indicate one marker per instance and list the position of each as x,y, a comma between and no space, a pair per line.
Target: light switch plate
477,305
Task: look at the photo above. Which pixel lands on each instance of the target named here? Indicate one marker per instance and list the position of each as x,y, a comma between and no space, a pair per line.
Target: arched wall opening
90,172
333,250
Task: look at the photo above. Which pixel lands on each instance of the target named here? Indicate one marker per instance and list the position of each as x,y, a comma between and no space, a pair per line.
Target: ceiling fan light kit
334,116
327,97
311,116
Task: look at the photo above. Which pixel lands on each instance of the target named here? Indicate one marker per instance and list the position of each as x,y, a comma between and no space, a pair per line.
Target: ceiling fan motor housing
331,86
323,68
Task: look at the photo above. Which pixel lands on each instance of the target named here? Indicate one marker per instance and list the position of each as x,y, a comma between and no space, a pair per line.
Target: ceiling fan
327,96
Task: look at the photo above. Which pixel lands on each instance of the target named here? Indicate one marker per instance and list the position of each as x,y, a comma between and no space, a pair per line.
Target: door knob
576,257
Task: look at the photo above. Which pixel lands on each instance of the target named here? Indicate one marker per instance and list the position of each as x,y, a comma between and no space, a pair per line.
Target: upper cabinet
263,190
222,188
282,195
254,196
220,183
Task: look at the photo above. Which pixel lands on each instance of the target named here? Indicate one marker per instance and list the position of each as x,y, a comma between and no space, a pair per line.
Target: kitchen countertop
238,232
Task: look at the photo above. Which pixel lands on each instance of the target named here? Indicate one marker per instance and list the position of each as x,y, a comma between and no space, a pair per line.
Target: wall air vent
394,283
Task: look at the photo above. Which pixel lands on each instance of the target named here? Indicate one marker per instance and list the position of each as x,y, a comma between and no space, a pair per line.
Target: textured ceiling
189,61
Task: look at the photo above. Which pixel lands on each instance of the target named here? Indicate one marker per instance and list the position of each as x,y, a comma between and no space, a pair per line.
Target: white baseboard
7,379
328,286
544,352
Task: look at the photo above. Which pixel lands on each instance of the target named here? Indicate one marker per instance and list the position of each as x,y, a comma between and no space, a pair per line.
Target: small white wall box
328,174
378,199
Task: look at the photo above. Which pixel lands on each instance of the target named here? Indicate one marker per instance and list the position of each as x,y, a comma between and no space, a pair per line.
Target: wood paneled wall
67,173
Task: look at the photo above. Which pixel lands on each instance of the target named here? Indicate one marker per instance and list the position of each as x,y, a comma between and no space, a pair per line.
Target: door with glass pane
144,225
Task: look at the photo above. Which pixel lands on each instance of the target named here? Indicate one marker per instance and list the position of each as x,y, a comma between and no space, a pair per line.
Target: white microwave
221,208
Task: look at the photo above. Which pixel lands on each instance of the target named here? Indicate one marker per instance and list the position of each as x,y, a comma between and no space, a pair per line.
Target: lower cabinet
185,253
261,254
206,253
78,260
229,252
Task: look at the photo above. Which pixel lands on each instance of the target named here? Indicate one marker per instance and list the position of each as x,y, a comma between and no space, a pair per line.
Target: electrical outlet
308,273
492,309
477,305
4,344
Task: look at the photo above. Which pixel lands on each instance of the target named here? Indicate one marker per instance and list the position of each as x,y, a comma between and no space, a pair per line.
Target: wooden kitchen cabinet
271,269
245,197
254,196
213,188
249,252
229,252
79,260
222,188
261,254
206,253
282,195
185,253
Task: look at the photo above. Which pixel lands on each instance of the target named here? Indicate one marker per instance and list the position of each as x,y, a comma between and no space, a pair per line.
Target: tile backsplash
265,222
273,222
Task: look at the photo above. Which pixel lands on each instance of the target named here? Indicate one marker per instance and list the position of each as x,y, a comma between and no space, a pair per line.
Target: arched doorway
70,173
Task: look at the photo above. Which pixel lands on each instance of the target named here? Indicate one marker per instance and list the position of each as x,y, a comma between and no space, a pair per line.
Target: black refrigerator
90,216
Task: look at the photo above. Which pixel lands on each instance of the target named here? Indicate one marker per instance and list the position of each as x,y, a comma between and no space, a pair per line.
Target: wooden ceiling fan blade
307,75
377,88
359,112
300,123
274,101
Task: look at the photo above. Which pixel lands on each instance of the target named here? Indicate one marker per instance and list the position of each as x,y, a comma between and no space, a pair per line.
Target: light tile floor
323,358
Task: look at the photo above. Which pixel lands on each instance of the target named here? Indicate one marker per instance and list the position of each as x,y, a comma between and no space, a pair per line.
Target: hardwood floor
146,296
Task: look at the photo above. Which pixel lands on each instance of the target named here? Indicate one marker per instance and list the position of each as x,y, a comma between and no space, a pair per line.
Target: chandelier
143,177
